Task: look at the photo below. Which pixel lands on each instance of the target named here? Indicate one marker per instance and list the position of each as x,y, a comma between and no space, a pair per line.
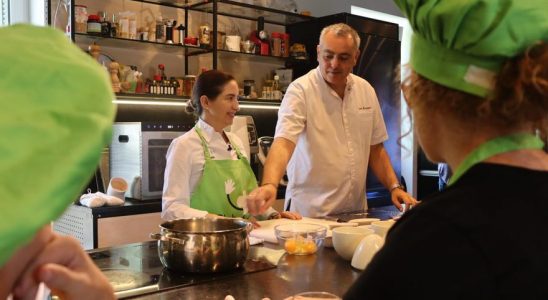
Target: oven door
155,145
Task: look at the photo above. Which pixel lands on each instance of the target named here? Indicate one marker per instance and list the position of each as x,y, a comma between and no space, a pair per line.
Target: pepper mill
94,51
113,69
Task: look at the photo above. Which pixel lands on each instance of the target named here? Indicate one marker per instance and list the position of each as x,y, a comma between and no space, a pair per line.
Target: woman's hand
291,215
67,271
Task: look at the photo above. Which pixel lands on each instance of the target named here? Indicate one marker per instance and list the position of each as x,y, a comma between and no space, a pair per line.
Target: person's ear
319,53
204,101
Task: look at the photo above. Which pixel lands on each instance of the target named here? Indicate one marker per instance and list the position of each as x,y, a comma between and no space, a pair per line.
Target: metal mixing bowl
202,245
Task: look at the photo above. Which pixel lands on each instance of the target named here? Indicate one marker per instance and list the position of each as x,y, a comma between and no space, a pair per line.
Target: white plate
364,221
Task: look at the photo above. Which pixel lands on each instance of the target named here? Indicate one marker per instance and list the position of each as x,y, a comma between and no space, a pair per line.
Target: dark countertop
130,207
322,271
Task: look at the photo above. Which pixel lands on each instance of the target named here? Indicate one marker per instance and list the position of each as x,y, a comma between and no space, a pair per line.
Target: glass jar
80,18
276,44
249,88
94,25
205,36
188,81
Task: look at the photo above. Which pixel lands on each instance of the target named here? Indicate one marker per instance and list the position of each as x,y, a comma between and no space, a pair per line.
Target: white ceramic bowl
382,227
346,239
365,251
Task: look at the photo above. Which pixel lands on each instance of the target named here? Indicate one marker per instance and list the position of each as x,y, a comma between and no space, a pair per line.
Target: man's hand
65,269
400,196
261,198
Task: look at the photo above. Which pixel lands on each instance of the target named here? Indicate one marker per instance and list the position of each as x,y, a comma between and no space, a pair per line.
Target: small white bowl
364,221
365,251
346,239
382,227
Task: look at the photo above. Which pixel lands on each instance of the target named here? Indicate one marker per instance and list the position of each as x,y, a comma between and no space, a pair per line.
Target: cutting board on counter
266,231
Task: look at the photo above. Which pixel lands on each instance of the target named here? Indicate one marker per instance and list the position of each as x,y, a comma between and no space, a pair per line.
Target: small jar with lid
188,81
94,25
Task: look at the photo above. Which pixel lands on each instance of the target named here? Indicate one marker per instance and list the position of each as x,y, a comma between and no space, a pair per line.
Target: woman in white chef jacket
207,173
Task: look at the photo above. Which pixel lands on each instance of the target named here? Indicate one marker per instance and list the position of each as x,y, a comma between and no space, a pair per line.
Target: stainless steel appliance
138,154
244,128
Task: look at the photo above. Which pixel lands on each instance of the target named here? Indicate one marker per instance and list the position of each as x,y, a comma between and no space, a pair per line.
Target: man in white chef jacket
330,129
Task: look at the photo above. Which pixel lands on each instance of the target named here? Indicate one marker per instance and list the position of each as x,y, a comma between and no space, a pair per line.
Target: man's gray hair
343,30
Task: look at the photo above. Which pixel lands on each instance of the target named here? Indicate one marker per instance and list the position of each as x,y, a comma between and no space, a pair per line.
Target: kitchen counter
322,271
260,278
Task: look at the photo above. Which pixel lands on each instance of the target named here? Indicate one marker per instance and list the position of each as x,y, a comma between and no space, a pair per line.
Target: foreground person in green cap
56,117
478,91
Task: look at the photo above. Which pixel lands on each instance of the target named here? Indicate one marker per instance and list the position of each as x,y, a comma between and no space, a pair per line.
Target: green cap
55,118
463,44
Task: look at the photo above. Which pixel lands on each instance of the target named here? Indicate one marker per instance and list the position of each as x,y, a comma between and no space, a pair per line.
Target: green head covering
462,44
55,117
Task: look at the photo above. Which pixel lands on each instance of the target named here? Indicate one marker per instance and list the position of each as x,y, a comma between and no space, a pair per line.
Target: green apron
224,184
496,146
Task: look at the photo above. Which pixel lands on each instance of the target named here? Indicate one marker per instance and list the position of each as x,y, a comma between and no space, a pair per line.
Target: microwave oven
138,154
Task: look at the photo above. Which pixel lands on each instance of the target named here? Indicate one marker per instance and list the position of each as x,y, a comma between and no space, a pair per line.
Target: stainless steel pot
202,245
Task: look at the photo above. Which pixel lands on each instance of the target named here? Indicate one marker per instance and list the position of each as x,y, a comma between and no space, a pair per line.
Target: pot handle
156,236
248,227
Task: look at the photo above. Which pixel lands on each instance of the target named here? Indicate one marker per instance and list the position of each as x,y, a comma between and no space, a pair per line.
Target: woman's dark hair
209,83
520,95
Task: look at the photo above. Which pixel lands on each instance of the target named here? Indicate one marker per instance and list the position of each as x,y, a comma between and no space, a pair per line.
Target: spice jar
285,44
276,40
189,81
94,25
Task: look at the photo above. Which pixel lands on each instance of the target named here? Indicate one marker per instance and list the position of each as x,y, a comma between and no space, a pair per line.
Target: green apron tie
224,184
496,146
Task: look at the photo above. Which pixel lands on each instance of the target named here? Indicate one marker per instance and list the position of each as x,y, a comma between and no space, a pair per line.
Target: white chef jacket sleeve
176,194
379,133
292,113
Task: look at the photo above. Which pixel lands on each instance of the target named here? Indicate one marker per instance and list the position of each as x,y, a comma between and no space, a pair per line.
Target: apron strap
496,146
238,153
207,154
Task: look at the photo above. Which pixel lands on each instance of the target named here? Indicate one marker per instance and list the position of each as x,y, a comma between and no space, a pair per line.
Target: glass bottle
160,36
105,24
114,26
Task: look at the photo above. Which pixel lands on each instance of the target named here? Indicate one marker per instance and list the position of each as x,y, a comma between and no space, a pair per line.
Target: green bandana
463,44
55,117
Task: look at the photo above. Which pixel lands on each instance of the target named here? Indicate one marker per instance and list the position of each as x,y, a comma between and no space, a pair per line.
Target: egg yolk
300,245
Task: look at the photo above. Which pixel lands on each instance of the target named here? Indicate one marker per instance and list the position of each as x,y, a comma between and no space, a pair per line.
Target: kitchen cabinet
109,226
220,15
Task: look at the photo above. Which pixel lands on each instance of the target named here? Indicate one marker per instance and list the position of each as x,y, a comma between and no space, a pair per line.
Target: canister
276,44
80,18
94,25
188,85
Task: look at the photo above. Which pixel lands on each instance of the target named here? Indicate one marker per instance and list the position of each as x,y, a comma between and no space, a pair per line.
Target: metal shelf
251,12
83,39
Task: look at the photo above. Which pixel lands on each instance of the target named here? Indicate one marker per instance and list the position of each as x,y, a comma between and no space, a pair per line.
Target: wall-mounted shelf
83,38
250,12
